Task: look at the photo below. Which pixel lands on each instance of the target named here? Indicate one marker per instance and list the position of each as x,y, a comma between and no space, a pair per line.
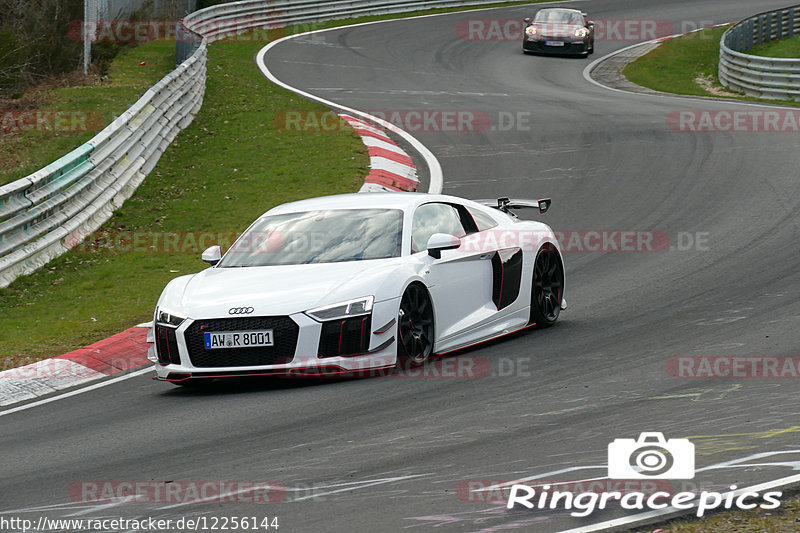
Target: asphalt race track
400,453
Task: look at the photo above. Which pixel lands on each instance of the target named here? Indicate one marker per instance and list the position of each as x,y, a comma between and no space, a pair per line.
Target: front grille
349,336
284,335
167,346
540,46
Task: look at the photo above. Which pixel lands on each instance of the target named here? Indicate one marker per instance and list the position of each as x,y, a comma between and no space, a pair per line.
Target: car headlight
530,31
165,318
357,307
581,33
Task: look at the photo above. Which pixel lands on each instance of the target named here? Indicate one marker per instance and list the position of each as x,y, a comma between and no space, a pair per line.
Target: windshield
555,16
326,236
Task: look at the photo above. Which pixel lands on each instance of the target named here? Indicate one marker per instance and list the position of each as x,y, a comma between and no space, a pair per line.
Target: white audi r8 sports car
355,283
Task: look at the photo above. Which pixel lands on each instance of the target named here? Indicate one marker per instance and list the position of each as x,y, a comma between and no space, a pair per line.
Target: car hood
273,290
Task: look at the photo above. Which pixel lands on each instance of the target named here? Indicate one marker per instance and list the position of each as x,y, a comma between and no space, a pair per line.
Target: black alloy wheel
415,326
548,287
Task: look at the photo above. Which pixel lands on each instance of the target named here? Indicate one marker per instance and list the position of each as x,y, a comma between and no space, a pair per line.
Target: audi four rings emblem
240,310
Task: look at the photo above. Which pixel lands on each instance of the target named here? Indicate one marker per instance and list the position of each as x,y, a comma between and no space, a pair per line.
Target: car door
460,282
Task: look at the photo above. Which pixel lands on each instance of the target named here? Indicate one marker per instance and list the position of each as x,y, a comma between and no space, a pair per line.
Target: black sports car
559,31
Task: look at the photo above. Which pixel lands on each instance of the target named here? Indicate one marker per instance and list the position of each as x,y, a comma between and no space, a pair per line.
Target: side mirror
212,255
442,241
527,20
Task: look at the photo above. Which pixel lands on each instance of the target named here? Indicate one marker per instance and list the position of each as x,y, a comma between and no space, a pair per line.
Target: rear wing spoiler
506,205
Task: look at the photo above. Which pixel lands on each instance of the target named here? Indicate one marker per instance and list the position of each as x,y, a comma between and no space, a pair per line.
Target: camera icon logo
651,457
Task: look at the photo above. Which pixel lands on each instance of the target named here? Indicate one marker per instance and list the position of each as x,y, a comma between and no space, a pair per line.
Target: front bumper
298,350
569,47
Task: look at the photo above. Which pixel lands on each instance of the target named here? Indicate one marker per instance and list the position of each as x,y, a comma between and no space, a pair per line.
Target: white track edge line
75,392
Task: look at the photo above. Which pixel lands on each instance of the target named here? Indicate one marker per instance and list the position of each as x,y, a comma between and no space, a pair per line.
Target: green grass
785,519
677,64
786,48
228,167
673,66
25,152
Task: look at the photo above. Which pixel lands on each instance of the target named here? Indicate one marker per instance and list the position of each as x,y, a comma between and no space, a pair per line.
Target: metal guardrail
51,210
762,77
48,212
